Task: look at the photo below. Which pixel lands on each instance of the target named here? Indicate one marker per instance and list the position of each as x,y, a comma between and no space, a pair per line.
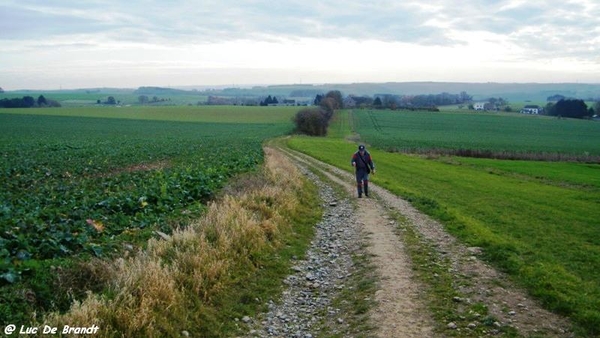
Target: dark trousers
362,180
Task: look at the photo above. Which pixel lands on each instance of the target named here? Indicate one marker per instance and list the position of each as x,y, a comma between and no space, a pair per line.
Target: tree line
572,108
269,100
28,102
144,99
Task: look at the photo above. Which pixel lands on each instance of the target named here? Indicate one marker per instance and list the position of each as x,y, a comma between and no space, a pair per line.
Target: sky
50,44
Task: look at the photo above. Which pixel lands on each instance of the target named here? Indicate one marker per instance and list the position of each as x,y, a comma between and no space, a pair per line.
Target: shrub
312,121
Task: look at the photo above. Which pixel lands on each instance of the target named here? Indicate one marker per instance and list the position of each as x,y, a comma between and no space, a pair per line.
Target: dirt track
401,309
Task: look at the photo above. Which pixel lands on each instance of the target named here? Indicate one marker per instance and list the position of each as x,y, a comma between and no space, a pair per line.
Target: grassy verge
199,280
544,235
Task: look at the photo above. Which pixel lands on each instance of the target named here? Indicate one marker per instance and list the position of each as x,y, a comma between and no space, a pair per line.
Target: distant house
479,105
349,102
532,109
299,101
292,102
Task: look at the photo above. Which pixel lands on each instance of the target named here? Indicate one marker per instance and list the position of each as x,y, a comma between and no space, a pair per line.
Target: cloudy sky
49,44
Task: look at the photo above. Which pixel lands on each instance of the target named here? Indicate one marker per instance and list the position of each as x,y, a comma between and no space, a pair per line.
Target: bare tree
143,99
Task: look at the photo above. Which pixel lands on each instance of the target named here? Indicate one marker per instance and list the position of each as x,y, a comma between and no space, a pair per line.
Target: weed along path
424,282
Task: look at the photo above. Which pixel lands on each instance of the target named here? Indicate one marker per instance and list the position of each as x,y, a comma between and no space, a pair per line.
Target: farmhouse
349,102
532,109
479,105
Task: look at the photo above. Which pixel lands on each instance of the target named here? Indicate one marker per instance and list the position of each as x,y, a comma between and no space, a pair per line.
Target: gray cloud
544,29
218,20
209,21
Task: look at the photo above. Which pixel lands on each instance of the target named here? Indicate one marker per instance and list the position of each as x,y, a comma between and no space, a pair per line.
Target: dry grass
155,292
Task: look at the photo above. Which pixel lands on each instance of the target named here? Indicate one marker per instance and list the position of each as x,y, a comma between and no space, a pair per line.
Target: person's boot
359,189
366,189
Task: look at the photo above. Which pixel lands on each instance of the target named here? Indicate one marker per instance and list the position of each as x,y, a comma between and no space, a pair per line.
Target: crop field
537,221
90,98
88,182
504,135
217,114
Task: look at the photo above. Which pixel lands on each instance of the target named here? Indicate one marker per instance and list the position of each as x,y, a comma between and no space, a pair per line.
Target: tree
318,99
41,101
550,109
571,108
597,107
28,101
328,104
464,97
336,95
555,97
53,103
143,99
363,101
377,103
267,101
111,100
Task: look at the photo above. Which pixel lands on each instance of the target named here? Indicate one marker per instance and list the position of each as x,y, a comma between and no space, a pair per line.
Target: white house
479,105
531,109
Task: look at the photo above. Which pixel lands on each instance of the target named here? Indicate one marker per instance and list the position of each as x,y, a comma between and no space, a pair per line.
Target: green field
86,182
81,98
89,181
487,134
217,114
538,221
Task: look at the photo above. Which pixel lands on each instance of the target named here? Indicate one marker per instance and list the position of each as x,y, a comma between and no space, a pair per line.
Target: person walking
362,162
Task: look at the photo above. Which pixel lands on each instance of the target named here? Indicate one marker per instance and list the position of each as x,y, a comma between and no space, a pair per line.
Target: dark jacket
364,163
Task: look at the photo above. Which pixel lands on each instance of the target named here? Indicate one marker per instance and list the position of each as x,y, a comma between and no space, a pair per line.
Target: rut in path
399,294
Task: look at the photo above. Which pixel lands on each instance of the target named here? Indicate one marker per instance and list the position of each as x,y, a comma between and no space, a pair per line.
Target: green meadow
494,134
537,221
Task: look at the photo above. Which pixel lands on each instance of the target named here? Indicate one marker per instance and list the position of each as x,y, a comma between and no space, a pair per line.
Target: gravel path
400,310
310,289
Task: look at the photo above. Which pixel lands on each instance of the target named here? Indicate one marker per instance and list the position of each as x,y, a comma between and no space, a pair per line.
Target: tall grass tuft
170,287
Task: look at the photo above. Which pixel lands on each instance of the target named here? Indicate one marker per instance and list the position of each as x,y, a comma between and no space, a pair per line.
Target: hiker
361,160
